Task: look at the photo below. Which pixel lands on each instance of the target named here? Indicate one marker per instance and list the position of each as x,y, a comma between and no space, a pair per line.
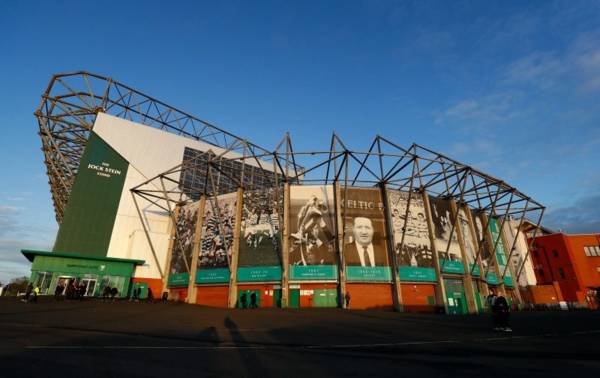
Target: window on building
561,273
554,253
592,251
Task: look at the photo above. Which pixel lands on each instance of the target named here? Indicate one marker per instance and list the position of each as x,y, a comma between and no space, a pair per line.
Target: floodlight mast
69,108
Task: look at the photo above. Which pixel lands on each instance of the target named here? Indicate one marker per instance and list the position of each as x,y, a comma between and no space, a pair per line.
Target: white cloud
539,69
473,112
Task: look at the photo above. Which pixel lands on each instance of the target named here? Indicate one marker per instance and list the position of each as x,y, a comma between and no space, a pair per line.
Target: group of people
109,293
136,295
253,300
71,289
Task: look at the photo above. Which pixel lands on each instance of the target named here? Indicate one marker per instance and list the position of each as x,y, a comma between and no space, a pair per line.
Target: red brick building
570,263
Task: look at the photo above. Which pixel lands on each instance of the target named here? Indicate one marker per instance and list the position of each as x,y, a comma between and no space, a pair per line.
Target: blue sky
509,87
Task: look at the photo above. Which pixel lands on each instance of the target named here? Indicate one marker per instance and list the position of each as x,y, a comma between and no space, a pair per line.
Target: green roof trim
30,255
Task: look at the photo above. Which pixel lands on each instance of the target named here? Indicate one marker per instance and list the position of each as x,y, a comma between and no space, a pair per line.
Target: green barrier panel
259,273
368,273
178,279
492,278
313,272
219,275
456,267
415,273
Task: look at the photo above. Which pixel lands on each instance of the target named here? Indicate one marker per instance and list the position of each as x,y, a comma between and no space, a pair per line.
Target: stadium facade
147,195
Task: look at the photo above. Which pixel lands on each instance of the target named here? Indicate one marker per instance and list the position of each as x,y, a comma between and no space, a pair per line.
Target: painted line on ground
330,346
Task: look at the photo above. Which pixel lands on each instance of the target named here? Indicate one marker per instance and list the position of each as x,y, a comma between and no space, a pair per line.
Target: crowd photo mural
441,217
183,245
415,258
365,251
470,246
217,239
312,233
260,235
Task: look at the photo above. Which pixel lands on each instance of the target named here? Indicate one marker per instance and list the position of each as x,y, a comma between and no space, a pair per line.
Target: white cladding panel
149,152
527,277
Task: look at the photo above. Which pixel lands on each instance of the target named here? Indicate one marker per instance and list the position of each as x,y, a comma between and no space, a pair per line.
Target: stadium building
149,196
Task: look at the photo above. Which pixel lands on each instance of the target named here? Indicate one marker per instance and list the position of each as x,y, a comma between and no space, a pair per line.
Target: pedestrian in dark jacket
253,303
28,292
501,309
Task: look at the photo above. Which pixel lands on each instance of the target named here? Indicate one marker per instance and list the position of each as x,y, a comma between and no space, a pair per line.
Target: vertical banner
260,236
500,251
217,239
470,247
365,249
415,260
312,233
441,214
183,245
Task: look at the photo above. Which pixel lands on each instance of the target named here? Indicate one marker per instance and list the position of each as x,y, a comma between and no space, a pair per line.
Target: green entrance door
277,298
248,295
143,289
455,294
325,298
294,298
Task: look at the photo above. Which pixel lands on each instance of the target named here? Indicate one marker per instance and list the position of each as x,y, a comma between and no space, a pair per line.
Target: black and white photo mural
446,240
415,258
260,235
217,239
183,245
312,233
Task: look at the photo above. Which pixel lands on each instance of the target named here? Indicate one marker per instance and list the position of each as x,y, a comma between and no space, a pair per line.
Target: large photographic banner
365,247
470,246
312,233
217,239
183,245
415,260
500,253
260,236
441,217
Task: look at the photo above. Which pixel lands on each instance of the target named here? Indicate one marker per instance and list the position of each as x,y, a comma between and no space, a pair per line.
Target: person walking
489,301
113,293
36,292
347,299
502,313
58,291
28,292
105,293
253,303
150,296
243,300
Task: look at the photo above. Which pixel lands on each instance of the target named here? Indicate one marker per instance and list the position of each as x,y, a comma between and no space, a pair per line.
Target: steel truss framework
72,101
416,170
68,110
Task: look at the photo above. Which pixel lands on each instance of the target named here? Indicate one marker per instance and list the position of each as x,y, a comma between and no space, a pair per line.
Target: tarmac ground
92,338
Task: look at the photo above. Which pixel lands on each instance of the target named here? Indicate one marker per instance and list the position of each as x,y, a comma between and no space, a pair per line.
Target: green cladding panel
90,215
78,266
